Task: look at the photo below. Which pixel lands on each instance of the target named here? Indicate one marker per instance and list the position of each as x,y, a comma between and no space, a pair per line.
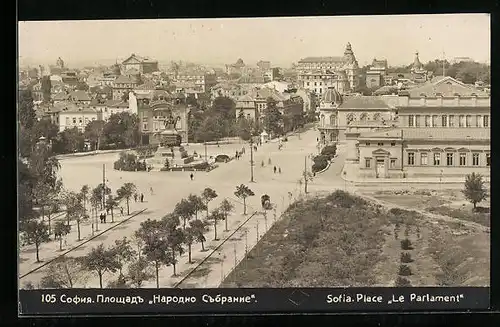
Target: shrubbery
146,151
201,166
406,244
329,151
406,257
402,282
129,162
222,158
320,163
404,270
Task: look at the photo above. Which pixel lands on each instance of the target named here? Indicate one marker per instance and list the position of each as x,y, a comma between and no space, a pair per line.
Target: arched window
349,118
376,116
363,117
322,120
333,119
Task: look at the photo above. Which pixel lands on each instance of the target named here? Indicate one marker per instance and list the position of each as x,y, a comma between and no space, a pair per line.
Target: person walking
279,170
135,197
192,176
142,197
275,169
151,190
121,211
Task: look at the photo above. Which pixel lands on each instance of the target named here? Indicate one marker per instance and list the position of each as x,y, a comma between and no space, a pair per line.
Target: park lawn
451,203
342,240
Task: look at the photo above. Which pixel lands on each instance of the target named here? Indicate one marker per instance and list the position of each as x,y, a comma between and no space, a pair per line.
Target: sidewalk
350,172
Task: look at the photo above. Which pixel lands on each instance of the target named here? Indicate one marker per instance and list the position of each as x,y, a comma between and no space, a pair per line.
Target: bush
182,149
402,282
129,162
345,200
404,270
184,154
329,151
320,163
222,158
201,166
406,257
406,244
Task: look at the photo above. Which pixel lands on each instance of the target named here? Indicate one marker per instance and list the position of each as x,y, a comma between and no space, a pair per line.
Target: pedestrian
279,170
243,150
142,197
151,190
262,163
192,176
105,216
65,242
275,169
135,197
101,218
121,211
269,161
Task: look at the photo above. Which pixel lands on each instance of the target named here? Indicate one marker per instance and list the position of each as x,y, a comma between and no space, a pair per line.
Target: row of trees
220,120
155,244
120,131
37,231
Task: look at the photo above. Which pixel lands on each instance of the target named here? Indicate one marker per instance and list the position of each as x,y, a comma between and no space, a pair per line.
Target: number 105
48,298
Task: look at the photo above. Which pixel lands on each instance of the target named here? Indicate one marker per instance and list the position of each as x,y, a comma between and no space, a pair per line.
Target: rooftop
80,96
431,133
446,87
363,102
321,59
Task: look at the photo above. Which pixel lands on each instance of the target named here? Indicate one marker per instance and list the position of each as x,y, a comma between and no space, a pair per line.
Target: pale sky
279,40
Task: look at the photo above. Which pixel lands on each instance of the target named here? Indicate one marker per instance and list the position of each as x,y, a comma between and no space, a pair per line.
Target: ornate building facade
318,74
443,129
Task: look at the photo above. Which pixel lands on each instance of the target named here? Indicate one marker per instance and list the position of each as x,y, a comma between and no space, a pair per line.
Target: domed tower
60,63
351,67
115,69
331,98
328,117
417,65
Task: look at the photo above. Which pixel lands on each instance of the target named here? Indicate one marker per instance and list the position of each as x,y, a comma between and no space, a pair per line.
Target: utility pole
104,186
205,144
251,160
305,174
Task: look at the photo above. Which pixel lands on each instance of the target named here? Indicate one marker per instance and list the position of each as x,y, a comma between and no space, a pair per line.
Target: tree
26,183
175,239
100,261
208,195
139,242
46,128
197,203
82,86
122,129
126,192
84,194
63,272
199,228
46,87
111,204
215,216
53,207
36,233
243,192
70,140
123,252
74,209
273,119
474,190
189,239
43,165
60,231
139,271
94,132
224,107
210,129
185,209
27,114
156,249
226,208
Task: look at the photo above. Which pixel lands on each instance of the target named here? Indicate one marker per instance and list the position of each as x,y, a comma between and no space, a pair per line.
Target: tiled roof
321,59
147,86
70,107
80,95
447,87
122,79
245,97
101,89
61,96
140,59
363,102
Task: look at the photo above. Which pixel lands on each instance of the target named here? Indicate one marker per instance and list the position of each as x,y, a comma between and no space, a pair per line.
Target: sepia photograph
284,152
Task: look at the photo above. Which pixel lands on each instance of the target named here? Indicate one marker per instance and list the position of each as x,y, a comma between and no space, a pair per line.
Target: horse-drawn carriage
266,202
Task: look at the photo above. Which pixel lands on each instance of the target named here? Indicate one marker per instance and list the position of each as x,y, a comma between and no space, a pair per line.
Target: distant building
264,65
123,85
346,65
68,115
375,76
419,74
143,65
202,81
236,68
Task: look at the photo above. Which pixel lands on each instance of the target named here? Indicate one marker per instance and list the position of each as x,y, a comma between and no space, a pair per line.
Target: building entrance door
380,168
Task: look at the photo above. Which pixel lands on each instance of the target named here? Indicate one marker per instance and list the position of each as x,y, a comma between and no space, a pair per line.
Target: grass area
342,240
449,203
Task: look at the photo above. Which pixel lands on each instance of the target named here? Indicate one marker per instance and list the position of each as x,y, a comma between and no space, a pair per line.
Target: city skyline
223,41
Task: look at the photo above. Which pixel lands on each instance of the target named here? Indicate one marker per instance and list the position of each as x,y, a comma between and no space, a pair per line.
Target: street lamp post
345,180
205,144
251,160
